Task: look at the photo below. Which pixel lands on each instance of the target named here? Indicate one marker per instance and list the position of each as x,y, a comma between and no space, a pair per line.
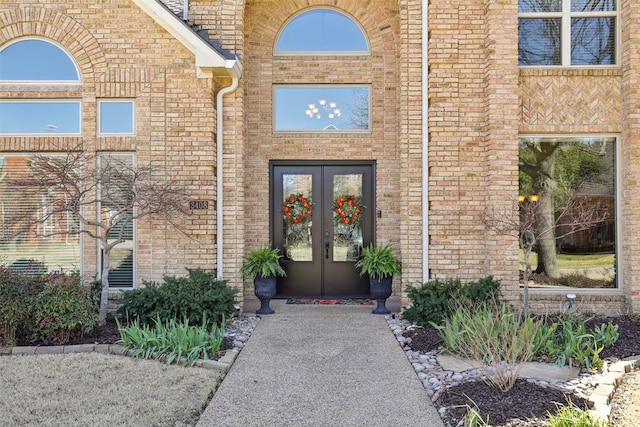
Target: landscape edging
601,397
222,365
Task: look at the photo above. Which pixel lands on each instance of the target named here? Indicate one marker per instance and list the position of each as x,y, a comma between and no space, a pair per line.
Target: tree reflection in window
590,41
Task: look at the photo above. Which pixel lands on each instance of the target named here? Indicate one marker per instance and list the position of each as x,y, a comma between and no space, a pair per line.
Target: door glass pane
347,217
297,211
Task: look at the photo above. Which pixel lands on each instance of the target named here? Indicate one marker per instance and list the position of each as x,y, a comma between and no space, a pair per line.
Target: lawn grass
575,262
92,389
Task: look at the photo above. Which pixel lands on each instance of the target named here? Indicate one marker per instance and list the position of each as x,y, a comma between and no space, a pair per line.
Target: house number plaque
199,205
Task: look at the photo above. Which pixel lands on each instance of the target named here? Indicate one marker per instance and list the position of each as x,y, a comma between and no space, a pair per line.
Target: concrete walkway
312,365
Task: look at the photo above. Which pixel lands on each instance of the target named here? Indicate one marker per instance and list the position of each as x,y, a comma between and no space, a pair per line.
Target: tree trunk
545,222
104,295
544,184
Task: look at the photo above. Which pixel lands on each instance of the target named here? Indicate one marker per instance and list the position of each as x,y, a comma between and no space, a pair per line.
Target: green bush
28,266
63,309
49,308
15,293
432,301
173,340
196,297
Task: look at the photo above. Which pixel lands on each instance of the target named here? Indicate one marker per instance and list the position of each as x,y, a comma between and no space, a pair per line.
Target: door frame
320,163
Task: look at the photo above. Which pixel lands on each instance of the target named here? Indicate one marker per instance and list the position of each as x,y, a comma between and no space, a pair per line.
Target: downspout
425,141
219,172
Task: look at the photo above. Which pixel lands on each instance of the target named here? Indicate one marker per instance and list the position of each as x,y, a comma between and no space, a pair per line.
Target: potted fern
380,264
263,266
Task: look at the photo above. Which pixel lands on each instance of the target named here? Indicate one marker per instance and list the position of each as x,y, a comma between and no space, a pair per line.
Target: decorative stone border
600,397
222,365
608,382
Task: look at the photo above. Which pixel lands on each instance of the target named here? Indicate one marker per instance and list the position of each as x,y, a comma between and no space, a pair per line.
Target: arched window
45,63
36,60
321,31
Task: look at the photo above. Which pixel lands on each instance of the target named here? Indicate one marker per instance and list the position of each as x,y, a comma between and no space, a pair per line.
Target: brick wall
479,103
122,53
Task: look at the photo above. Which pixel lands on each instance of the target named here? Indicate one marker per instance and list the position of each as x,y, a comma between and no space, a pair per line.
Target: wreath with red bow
297,209
347,209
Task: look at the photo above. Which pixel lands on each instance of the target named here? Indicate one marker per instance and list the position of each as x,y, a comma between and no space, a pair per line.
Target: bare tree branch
578,215
104,195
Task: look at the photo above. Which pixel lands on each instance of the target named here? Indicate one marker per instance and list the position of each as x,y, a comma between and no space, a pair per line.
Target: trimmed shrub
432,301
62,310
196,298
50,308
14,308
28,266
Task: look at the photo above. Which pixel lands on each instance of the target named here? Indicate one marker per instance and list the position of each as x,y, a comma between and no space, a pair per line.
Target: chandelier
323,107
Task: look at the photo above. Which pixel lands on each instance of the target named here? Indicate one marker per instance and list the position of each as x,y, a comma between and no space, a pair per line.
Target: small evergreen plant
263,262
379,262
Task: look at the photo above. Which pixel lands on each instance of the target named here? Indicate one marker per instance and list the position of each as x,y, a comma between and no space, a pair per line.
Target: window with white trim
116,117
37,60
115,207
29,230
33,61
323,108
29,117
321,31
568,32
568,193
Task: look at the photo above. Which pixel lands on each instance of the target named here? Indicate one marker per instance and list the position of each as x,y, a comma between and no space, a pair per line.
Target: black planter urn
380,291
265,289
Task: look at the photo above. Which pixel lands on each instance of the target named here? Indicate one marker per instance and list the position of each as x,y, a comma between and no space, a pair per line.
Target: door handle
326,250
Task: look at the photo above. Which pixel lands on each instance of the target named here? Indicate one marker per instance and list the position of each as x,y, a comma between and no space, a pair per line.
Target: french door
322,215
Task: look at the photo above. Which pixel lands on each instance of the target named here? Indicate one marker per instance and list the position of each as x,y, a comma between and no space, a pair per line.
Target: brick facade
478,102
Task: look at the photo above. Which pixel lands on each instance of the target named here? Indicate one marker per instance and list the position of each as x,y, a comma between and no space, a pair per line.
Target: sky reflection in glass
36,60
321,30
116,117
35,118
293,111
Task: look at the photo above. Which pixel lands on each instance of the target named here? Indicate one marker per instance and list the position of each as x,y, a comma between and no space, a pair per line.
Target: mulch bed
526,404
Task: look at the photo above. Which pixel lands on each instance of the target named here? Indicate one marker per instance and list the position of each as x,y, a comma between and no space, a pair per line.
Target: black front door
322,216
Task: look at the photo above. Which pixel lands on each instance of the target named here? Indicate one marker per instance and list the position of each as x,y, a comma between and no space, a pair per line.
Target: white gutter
425,141
209,63
220,175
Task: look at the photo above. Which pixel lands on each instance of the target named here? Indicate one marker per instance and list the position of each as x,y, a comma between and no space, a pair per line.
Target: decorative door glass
297,215
347,217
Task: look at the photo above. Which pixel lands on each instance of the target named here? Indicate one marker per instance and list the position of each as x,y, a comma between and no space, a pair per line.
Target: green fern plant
379,262
263,261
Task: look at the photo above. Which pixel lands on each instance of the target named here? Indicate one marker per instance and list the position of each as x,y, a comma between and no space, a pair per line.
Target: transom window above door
322,108
321,31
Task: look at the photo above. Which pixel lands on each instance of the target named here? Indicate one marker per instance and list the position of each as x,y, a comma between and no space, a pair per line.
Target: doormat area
322,301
